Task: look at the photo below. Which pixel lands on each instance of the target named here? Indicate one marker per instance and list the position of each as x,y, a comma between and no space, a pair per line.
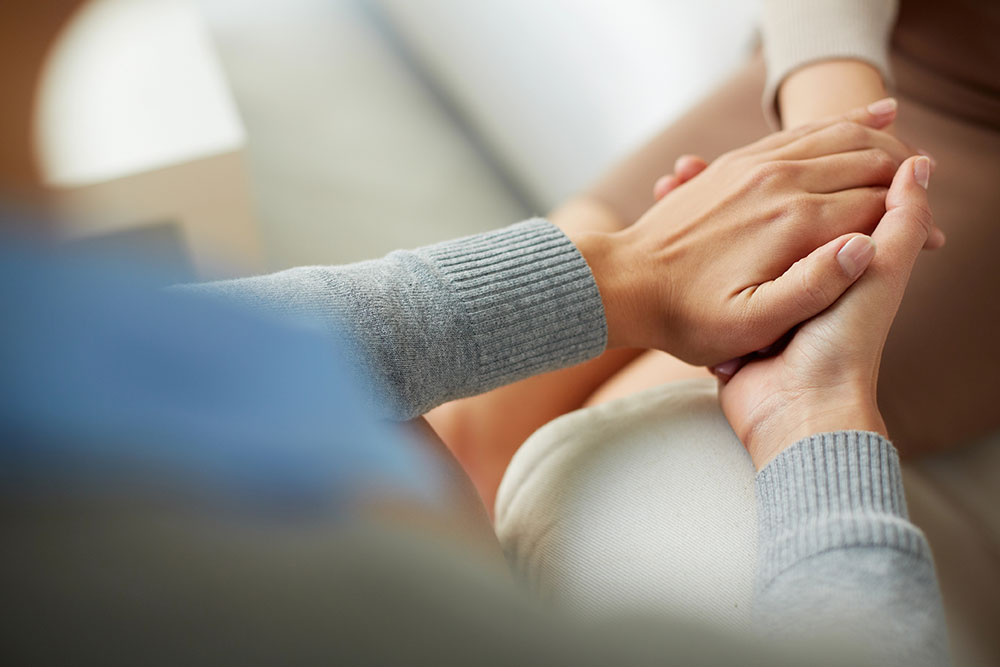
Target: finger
815,219
921,151
935,239
866,204
843,137
688,166
813,283
839,213
900,235
727,369
906,226
876,115
843,171
822,217
665,185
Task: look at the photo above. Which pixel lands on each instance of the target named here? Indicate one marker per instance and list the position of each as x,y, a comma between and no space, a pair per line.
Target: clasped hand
765,238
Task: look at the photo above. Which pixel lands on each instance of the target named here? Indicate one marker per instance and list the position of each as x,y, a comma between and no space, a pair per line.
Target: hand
829,87
712,271
825,379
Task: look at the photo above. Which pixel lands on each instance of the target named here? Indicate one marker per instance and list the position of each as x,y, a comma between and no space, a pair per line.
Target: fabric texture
450,320
185,483
800,32
522,300
603,510
830,504
945,63
805,493
651,503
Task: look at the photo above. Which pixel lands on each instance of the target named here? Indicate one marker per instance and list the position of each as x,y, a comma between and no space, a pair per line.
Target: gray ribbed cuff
530,299
831,491
800,32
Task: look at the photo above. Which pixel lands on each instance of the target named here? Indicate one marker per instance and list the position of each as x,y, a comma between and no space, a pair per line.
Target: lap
607,509
647,503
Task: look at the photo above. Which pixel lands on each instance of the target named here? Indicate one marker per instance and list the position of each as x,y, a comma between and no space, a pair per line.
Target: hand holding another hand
757,243
825,379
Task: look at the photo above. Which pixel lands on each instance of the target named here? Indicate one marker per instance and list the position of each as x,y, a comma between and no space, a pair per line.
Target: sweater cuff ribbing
800,32
529,297
832,491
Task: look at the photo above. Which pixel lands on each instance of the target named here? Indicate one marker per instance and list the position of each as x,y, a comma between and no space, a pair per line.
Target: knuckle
877,196
921,213
883,164
875,207
898,147
802,207
770,173
862,208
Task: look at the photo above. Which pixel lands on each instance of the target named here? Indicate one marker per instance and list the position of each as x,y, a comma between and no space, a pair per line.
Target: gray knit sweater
838,555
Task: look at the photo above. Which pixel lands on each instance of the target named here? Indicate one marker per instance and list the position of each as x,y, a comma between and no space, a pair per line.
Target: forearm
827,88
838,558
824,56
449,320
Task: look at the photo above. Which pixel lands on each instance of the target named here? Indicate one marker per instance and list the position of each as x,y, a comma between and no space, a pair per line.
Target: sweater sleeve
838,557
449,320
800,32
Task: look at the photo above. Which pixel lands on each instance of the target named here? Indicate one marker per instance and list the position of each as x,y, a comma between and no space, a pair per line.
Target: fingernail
922,171
930,157
727,369
883,107
855,256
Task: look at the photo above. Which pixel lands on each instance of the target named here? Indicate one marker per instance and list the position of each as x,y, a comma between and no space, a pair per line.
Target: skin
481,430
28,29
827,88
485,431
819,90
734,259
826,378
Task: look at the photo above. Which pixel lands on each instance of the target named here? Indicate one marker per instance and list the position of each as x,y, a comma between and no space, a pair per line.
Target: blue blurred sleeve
105,376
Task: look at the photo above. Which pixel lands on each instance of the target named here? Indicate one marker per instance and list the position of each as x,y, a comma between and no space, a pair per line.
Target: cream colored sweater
799,32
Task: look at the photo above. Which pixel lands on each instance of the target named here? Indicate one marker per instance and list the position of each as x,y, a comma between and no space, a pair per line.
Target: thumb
815,282
906,225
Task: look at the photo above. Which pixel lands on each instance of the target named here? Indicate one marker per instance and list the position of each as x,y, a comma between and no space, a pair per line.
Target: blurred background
263,134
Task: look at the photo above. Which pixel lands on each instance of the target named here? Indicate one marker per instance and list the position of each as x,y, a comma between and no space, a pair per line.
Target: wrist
828,88
824,412
614,275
